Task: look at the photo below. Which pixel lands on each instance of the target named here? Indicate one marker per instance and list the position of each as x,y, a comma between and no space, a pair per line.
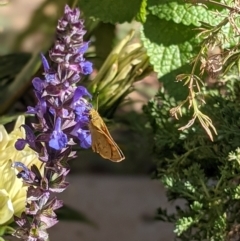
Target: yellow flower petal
12,189
9,181
4,138
19,201
6,207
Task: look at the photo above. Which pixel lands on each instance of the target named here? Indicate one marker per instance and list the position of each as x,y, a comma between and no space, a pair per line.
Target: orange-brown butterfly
102,141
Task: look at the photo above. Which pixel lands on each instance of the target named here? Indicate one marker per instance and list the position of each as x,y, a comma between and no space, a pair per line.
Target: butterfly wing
105,147
102,141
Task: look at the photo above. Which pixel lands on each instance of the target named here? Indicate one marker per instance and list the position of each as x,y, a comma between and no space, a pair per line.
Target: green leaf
10,66
196,206
169,47
111,11
9,118
169,35
177,89
15,76
183,224
185,13
141,16
5,230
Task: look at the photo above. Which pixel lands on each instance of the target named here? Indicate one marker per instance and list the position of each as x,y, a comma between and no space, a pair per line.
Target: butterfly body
102,141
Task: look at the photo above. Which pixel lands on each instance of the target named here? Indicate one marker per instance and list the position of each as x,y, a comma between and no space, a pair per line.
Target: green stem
204,188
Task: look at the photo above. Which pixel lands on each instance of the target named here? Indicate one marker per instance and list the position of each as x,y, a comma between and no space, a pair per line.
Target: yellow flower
12,189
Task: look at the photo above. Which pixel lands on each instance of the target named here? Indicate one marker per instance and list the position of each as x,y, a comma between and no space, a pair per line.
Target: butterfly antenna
97,101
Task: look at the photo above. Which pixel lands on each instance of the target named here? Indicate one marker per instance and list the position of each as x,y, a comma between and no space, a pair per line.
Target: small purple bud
20,144
38,84
72,15
83,48
86,67
45,63
30,139
50,77
39,109
31,110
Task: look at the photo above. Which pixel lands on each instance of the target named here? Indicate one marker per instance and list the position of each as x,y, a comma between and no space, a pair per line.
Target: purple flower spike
58,140
63,116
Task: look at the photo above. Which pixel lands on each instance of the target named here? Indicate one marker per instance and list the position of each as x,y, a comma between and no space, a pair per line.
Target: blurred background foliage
190,128
119,61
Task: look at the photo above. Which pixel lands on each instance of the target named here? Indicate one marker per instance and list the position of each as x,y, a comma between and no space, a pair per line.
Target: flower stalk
62,112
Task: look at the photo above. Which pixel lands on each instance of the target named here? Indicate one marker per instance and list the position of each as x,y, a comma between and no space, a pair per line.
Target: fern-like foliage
204,173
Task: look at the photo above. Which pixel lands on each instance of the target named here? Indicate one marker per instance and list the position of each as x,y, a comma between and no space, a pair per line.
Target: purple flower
82,49
85,138
32,176
80,92
45,63
38,85
30,140
63,117
25,173
86,67
58,140
80,106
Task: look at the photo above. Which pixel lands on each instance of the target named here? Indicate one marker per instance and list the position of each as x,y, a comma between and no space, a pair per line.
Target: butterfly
102,141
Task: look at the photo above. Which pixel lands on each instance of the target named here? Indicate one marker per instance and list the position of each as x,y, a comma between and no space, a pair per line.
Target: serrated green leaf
165,59
169,47
167,32
185,13
110,10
